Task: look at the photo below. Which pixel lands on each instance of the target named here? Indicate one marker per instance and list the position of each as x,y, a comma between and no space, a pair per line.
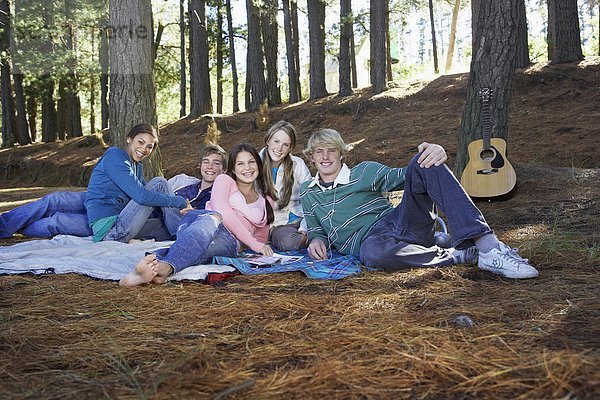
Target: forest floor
373,336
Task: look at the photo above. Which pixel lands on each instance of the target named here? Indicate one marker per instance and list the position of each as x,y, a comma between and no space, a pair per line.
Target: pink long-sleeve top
239,217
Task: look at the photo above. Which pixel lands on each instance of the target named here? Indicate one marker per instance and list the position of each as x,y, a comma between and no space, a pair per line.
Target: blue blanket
338,266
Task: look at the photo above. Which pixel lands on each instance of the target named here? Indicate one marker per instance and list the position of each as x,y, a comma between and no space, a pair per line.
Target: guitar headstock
485,94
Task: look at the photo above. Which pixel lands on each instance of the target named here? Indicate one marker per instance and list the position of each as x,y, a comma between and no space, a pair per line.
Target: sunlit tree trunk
452,39
182,63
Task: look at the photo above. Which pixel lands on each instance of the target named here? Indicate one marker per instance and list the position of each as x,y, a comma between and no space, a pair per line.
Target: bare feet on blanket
144,272
163,271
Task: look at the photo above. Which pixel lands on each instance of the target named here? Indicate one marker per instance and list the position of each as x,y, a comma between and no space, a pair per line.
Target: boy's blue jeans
404,237
199,239
58,213
135,220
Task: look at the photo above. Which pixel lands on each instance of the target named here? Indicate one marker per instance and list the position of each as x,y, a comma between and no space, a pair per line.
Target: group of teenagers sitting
267,201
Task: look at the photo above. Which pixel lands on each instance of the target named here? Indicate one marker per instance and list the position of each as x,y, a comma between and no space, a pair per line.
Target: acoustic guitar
488,174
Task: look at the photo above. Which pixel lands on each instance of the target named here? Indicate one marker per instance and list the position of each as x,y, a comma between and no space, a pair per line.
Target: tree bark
49,123
182,63
104,76
436,67
522,56
22,130
132,88
345,82
452,35
353,70
316,29
269,29
295,37
32,108
378,53
73,123
495,30
9,128
290,54
234,75
200,95
219,60
564,37
255,59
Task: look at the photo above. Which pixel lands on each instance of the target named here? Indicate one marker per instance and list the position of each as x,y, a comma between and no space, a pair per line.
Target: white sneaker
506,262
466,256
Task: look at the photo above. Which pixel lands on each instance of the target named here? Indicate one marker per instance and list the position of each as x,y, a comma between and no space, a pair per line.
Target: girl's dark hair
266,190
142,128
287,163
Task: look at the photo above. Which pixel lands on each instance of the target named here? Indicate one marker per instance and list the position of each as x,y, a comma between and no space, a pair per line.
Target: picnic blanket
111,260
338,266
108,260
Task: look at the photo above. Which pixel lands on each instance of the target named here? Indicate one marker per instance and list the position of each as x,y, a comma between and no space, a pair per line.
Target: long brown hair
287,163
265,189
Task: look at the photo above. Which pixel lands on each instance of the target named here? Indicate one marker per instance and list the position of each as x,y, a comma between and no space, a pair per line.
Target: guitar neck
486,122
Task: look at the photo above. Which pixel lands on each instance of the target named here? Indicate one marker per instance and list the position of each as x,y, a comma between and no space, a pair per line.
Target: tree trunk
522,56
295,37
345,83
452,36
32,115
495,30
353,62
290,54
436,67
316,29
378,45
255,69
22,127
182,63
234,75
200,95
219,57
269,29
104,76
9,127
564,40
49,123
73,123
388,44
132,88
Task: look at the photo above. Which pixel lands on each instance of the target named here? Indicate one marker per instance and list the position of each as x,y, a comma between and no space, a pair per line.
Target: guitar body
488,174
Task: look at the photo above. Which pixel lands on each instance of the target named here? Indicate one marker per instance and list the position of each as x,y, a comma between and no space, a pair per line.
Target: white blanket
109,260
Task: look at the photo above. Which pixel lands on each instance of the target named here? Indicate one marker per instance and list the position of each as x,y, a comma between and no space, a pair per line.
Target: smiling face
328,161
140,146
245,168
211,167
278,147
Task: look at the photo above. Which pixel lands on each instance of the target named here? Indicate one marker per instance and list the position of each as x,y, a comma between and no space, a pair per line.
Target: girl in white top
285,172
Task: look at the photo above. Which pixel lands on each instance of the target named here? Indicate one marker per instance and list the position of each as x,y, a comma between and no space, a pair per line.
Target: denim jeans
199,239
404,237
58,213
135,222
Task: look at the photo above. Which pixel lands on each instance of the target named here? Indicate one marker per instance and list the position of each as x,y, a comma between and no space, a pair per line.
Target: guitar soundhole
487,155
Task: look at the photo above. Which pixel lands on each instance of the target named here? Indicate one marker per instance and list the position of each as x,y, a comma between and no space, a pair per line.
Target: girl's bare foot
144,272
163,271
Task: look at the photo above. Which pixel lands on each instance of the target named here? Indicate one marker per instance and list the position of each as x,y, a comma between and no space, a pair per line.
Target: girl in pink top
238,215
